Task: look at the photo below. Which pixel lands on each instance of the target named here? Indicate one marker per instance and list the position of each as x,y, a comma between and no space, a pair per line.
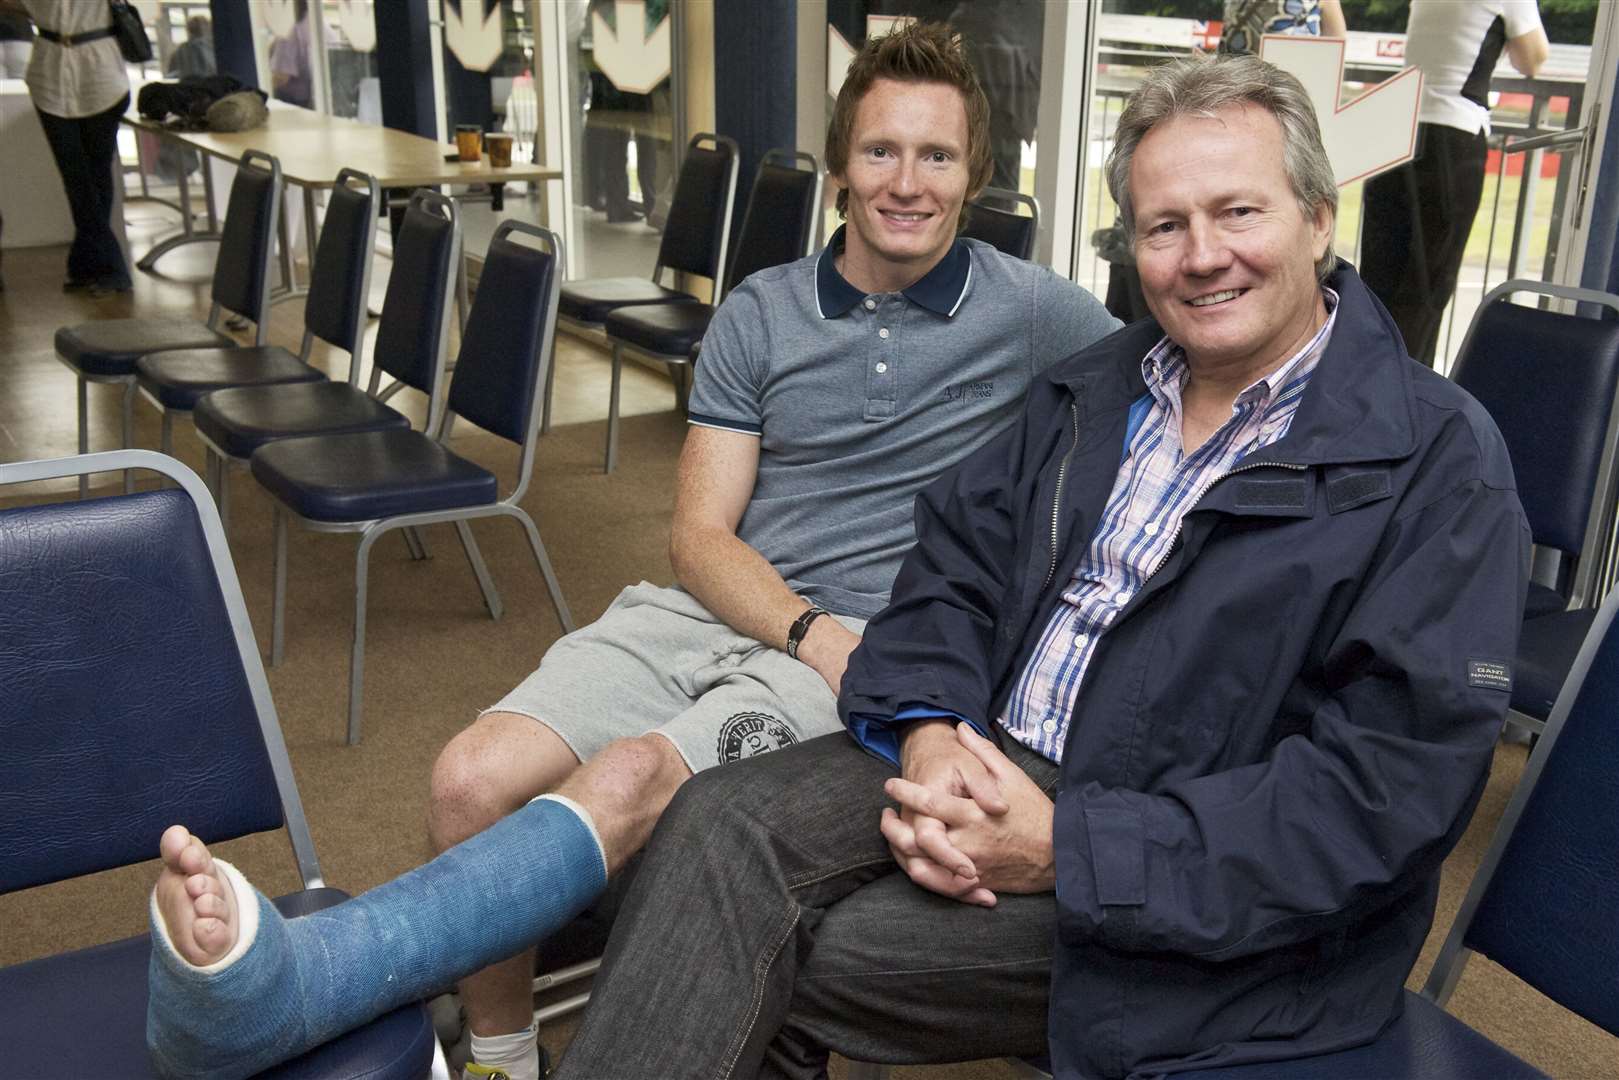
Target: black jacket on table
1284,732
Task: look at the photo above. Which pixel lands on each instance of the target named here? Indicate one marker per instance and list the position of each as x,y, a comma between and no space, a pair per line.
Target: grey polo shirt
859,401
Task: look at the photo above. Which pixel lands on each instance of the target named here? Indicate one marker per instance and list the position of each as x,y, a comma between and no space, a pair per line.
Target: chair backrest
506,351
133,695
340,282
699,226
1545,901
1549,381
993,218
780,217
414,329
247,239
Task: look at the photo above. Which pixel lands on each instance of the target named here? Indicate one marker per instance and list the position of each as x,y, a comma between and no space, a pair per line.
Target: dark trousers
1417,220
85,149
768,924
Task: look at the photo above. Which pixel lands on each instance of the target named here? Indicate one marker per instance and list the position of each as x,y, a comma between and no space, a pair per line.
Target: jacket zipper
1056,499
1204,490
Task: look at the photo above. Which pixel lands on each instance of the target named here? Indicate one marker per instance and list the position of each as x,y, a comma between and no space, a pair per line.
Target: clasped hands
970,822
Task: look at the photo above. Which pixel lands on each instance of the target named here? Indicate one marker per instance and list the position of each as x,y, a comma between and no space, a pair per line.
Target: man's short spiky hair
919,52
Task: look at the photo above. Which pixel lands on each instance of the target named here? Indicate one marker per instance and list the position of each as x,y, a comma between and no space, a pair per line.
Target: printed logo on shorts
749,733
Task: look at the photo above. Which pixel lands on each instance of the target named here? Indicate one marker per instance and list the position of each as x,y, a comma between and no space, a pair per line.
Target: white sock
517,1054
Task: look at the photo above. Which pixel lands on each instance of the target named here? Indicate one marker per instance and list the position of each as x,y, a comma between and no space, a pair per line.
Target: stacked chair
374,481
135,699
1551,383
695,238
334,312
412,339
107,351
990,219
778,226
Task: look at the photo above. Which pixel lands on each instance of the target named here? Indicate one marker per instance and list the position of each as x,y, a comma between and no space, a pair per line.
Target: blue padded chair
376,481
106,351
695,238
778,226
334,312
411,345
1550,380
990,218
126,637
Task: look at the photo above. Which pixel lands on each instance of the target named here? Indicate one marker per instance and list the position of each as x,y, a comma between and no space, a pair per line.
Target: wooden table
312,147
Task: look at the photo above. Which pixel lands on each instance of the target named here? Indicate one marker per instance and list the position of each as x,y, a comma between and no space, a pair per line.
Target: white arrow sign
473,34
1371,134
631,61
358,23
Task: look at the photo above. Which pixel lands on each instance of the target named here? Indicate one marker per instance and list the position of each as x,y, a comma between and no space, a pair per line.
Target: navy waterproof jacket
1283,733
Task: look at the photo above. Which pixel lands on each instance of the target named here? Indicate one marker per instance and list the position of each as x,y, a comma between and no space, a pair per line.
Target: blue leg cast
305,981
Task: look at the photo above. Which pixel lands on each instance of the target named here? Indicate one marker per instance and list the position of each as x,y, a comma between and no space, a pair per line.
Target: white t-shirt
74,80
1445,38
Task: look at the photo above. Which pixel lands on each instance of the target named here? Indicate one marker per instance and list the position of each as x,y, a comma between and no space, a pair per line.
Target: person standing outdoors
1419,215
77,80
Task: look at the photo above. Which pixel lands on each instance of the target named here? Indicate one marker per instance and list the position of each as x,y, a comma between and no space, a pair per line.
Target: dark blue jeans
768,924
85,148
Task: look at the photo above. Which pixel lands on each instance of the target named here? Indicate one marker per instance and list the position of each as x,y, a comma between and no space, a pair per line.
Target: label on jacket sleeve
1489,674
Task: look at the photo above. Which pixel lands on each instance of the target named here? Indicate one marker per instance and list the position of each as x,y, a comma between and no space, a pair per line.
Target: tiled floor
37,407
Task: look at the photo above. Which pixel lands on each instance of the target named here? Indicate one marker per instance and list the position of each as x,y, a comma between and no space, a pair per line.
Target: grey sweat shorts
657,660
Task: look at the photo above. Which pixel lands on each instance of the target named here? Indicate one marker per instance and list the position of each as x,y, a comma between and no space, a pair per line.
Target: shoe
111,287
473,1071
78,284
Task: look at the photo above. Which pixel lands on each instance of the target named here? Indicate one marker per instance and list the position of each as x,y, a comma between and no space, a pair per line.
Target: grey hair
1202,86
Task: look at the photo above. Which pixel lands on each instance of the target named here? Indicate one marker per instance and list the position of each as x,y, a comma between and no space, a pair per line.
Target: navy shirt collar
940,290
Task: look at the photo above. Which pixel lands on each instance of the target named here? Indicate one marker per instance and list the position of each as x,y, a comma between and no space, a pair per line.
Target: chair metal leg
550,384
564,616
129,432
491,597
167,442
612,409
415,542
84,433
278,604
362,563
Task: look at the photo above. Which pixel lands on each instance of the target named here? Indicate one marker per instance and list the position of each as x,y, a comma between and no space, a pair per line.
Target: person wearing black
80,89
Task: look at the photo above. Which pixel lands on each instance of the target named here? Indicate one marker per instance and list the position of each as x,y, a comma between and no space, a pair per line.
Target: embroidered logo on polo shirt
749,733
961,391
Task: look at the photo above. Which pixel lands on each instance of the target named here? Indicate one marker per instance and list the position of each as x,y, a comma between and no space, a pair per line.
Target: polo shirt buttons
883,333
871,305
881,367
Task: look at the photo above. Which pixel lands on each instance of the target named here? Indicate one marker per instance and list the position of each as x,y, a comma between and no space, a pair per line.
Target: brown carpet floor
434,658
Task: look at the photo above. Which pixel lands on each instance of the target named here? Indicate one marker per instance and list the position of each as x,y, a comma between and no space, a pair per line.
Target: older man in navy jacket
1191,683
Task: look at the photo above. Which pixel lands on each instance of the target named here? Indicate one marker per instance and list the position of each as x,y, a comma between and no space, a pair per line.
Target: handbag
131,34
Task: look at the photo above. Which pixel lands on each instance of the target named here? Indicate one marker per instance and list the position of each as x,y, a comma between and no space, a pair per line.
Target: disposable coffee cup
500,150
469,141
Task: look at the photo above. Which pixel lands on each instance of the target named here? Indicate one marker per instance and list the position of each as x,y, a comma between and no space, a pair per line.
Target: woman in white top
80,88
1419,215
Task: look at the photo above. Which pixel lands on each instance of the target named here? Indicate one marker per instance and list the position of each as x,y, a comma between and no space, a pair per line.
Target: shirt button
881,367
871,305
883,333
1150,528
1049,727
1121,598
1081,640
